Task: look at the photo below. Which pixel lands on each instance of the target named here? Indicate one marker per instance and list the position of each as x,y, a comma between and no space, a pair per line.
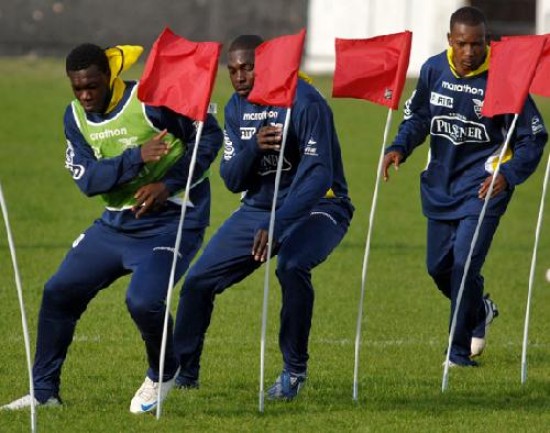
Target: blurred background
52,28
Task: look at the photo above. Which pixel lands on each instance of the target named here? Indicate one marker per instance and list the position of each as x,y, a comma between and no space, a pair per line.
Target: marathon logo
463,88
262,115
459,131
440,100
108,133
247,133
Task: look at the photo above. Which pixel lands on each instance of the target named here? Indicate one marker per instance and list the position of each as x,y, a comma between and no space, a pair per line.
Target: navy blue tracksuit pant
97,258
449,244
227,259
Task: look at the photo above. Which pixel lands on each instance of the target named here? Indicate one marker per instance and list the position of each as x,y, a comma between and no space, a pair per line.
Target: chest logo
459,131
247,133
268,164
128,143
440,100
478,105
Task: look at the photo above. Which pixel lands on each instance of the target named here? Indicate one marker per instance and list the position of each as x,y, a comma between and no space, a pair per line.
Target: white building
427,19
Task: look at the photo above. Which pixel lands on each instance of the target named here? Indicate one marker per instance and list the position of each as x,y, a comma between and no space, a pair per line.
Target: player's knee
61,299
197,281
57,292
141,307
437,271
289,267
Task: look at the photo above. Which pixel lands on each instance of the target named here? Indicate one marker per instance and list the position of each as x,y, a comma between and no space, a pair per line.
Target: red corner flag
373,69
179,74
511,69
541,84
276,70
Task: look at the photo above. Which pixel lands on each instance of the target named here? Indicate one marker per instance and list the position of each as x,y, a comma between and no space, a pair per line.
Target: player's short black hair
245,42
86,55
468,15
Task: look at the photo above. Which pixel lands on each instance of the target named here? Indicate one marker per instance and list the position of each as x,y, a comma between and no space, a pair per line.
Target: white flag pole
532,275
22,308
366,256
445,381
268,260
192,164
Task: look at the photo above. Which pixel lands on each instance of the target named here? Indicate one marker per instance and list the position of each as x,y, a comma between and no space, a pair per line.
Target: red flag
540,84
511,70
179,74
373,69
276,70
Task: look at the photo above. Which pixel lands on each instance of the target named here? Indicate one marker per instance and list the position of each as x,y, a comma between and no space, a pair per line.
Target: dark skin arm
259,249
154,149
268,138
152,197
149,198
391,158
499,186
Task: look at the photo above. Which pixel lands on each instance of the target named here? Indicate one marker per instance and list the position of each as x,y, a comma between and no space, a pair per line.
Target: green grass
405,320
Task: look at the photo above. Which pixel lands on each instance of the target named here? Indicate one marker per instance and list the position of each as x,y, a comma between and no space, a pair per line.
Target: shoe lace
148,390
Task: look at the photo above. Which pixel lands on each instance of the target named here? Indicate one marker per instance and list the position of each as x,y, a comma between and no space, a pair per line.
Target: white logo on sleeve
536,125
311,148
407,112
228,149
78,240
77,171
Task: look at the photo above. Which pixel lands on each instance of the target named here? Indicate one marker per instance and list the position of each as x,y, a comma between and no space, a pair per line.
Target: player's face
240,64
469,47
91,88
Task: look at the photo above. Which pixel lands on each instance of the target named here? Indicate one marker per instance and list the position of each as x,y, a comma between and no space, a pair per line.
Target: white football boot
146,397
479,338
26,402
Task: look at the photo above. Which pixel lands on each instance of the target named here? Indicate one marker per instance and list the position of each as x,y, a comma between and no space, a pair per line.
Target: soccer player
313,214
136,157
464,149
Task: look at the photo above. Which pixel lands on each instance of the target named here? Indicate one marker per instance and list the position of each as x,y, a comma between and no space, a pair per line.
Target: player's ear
449,38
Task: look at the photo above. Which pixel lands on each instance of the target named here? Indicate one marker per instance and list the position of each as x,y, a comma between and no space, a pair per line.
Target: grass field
404,324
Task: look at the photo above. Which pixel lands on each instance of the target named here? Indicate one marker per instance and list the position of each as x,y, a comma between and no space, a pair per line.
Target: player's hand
269,138
391,158
154,149
259,249
149,198
500,185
